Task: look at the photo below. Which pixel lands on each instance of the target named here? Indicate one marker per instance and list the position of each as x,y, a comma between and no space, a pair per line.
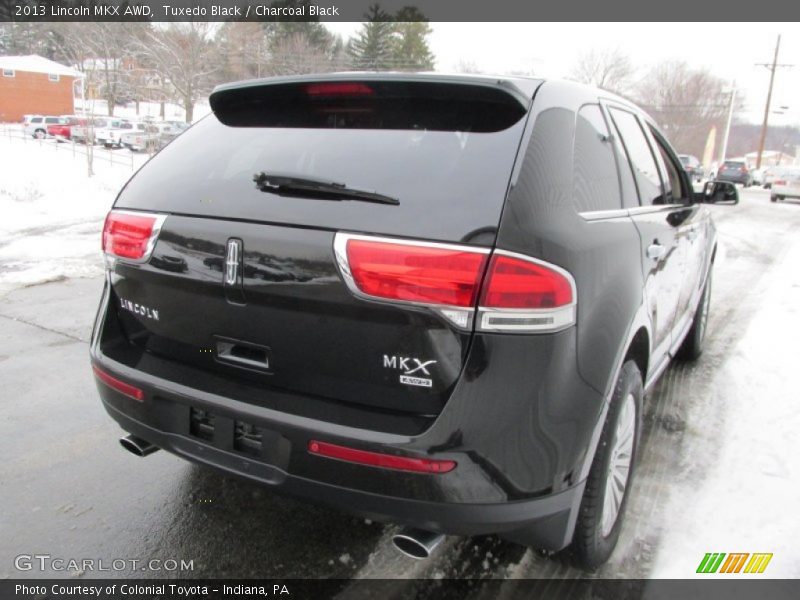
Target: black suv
428,300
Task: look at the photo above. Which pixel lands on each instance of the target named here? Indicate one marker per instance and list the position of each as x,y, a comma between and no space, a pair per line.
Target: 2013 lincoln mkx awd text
429,300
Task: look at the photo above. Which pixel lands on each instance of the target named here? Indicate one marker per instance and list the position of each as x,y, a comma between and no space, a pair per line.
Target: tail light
510,292
377,459
131,236
779,182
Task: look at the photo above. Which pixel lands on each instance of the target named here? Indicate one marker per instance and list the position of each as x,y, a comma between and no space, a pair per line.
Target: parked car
62,131
87,133
786,185
757,176
770,175
146,139
390,306
735,171
692,166
37,125
110,136
154,136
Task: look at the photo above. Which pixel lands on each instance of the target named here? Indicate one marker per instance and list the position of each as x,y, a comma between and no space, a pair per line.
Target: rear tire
606,494
773,198
692,346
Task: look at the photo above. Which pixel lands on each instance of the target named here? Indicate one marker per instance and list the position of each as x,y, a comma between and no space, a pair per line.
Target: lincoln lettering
138,309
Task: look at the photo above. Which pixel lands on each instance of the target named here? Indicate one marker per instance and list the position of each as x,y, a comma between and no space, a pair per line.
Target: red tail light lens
516,283
426,274
376,459
122,387
131,236
779,182
519,294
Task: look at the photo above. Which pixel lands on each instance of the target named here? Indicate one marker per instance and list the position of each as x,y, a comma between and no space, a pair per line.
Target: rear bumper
734,178
786,191
546,522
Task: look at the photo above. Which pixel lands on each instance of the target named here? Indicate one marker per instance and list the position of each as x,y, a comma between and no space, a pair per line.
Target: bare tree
608,69
685,102
243,50
467,66
98,49
183,55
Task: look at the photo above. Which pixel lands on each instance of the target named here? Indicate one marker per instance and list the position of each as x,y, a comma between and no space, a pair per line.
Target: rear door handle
656,251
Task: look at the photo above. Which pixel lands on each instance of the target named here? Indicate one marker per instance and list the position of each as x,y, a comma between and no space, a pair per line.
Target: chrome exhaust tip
417,543
138,446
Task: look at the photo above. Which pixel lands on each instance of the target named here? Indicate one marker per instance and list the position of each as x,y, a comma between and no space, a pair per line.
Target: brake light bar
510,292
131,236
338,89
377,459
115,384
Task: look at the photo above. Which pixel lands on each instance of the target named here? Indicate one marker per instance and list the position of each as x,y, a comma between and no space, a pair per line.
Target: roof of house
37,64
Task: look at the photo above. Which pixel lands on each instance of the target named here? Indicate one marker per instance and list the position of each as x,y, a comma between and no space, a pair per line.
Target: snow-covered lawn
52,213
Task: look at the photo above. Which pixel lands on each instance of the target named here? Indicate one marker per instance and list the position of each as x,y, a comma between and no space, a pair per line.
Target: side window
594,174
640,157
678,192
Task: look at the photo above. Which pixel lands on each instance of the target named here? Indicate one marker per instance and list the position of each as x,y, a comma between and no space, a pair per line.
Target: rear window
450,172
728,164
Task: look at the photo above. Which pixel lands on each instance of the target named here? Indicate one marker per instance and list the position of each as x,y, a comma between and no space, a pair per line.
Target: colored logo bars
716,562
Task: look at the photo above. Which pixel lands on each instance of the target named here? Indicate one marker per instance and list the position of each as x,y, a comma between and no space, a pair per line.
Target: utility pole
728,124
774,66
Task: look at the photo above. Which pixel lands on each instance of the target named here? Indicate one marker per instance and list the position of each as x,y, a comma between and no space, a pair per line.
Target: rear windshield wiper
291,185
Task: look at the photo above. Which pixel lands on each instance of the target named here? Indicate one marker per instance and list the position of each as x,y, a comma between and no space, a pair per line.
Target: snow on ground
748,499
52,213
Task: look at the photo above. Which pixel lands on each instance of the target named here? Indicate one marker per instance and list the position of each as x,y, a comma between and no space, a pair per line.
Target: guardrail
100,155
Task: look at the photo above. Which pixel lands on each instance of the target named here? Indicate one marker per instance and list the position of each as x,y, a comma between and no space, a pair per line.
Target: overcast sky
729,50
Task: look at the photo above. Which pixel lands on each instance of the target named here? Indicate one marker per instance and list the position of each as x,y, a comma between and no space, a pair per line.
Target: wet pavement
70,491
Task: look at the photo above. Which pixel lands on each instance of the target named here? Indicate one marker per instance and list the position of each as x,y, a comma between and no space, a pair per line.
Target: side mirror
718,191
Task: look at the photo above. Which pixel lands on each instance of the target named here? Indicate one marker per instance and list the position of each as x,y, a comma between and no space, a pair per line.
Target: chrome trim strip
598,215
654,208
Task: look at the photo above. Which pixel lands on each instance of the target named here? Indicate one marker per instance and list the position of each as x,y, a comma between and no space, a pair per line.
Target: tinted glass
640,157
594,176
451,184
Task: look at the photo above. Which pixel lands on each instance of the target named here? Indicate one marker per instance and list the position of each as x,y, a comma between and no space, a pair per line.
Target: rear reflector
131,236
115,384
519,293
424,274
384,461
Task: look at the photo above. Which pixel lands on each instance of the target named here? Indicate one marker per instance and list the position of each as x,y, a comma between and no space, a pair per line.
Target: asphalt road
69,490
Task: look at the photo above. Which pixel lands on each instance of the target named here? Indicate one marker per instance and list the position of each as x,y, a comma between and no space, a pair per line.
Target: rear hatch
442,150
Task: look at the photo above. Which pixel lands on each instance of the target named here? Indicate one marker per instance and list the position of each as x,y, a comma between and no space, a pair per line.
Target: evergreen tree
411,50
373,48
